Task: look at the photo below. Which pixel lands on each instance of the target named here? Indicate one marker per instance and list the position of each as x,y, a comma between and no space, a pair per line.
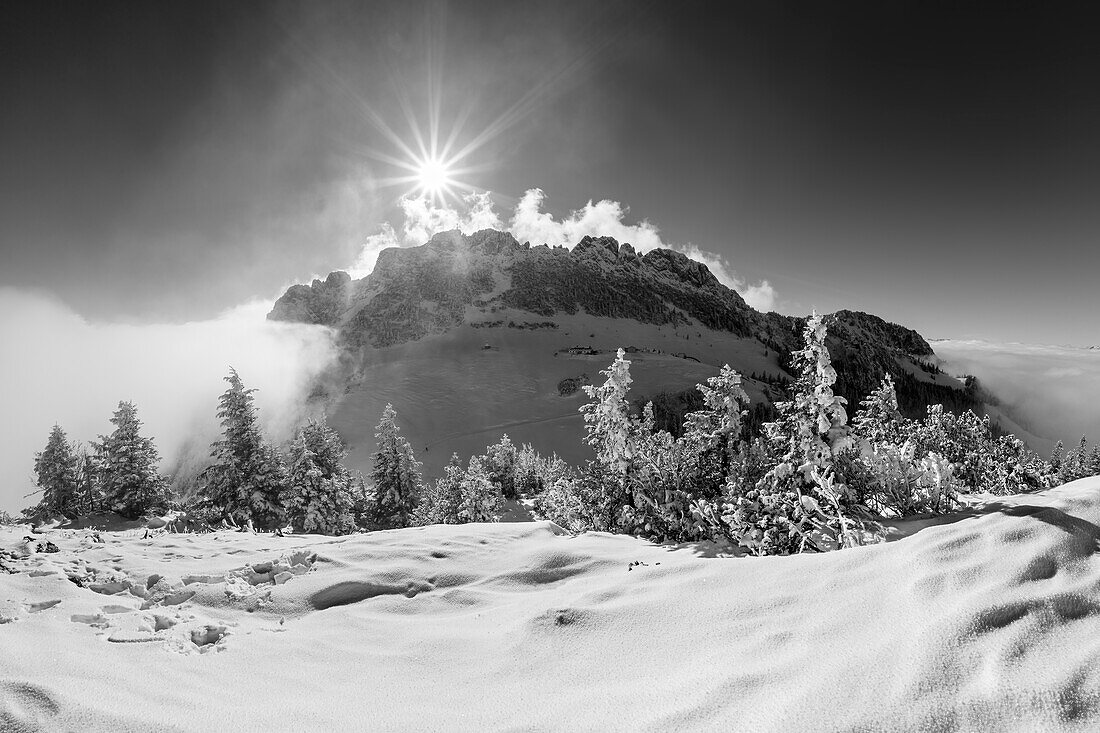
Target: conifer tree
709,443
89,497
1075,464
55,469
248,479
126,466
499,462
607,417
482,500
800,503
1055,461
396,476
321,496
878,420
442,500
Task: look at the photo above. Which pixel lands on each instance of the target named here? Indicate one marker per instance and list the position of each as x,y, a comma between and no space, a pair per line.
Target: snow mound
987,620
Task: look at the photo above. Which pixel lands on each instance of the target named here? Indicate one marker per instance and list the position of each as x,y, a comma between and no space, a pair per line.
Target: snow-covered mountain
470,336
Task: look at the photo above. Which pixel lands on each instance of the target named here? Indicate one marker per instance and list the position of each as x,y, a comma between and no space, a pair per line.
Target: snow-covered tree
607,420
482,500
55,469
322,492
878,420
500,462
396,476
800,504
126,464
709,443
442,500
248,479
1075,465
534,473
1056,457
88,497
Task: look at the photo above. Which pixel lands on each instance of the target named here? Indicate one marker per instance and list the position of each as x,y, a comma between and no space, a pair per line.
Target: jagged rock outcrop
321,302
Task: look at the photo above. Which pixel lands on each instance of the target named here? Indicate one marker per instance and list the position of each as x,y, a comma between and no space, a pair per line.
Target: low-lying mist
59,368
1055,388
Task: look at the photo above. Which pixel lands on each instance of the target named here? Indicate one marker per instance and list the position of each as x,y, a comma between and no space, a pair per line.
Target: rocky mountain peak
681,267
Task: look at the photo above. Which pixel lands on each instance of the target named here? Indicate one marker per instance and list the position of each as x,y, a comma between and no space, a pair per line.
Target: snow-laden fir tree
322,493
800,504
126,465
879,420
1075,465
396,476
607,420
534,473
1055,460
55,470
248,479
482,500
88,496
710,441
644,481
500,462
442,499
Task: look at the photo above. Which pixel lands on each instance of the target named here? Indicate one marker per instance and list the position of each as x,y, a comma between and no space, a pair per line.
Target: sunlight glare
433,176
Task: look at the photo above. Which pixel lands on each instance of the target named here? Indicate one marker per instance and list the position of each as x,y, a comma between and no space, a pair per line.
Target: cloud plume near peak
60,368
529,223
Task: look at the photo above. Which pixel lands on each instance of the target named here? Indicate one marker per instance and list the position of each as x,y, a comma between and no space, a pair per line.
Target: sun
433,177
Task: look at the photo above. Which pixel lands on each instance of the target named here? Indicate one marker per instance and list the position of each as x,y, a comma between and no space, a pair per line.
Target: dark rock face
322,301
417,291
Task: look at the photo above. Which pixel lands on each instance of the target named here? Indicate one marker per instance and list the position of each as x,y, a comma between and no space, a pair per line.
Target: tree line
793,477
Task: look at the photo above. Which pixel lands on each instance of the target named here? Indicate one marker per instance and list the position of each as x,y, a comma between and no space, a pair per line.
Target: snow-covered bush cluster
811,481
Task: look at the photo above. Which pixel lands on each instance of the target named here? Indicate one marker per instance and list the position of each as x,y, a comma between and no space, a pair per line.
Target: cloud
60,368
530,223
1055,388
369,255
605,218
760,296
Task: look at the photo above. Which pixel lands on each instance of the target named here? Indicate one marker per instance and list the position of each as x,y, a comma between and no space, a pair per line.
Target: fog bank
59,368
1055,388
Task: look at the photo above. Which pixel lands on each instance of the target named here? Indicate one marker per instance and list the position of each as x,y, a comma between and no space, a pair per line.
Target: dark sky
937,164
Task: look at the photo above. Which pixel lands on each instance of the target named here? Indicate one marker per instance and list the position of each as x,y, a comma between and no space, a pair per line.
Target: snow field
986,620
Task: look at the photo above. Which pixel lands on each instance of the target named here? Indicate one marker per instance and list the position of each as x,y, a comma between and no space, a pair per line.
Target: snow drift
989,619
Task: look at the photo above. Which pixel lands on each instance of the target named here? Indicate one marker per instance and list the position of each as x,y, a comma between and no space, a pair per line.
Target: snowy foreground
988,621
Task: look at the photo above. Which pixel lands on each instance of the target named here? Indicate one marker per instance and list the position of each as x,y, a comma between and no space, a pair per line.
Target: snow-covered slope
454,395
982,621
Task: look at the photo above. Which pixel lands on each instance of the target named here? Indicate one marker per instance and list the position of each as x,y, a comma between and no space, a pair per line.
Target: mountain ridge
462,292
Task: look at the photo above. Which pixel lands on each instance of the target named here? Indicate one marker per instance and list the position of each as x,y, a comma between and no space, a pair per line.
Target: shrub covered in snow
535,473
